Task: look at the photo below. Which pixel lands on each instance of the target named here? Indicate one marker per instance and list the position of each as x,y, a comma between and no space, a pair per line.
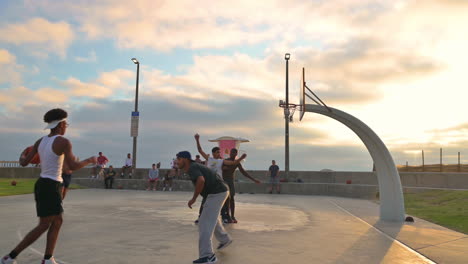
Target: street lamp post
286,118
135,118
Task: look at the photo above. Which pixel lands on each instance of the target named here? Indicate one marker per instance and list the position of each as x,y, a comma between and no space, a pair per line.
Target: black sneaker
206,260
224,245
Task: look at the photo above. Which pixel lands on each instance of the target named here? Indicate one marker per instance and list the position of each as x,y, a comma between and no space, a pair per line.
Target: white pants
210,222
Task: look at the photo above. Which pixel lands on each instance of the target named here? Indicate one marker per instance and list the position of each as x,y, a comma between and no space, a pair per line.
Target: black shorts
66,180
232,189
48,196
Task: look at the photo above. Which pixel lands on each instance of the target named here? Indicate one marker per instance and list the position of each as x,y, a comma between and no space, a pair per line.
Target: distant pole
459,165
440,159
407,166
423,160
134,160
286,118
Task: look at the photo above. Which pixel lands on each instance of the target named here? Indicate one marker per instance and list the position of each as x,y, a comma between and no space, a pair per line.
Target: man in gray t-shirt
214,191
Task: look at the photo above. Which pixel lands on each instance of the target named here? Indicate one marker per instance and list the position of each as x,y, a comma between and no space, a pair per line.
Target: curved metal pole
392,206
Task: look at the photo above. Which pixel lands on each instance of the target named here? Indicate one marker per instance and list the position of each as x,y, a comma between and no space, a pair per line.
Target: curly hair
55,114
213,150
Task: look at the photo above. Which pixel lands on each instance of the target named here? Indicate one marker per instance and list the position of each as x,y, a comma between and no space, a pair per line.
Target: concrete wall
342,190
363,184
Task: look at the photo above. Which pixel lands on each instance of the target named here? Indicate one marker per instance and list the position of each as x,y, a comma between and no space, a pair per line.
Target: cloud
384,60
14,99
116,79
165,25
6,57
165,129
90,90
90,58
40,36
11,71
350,72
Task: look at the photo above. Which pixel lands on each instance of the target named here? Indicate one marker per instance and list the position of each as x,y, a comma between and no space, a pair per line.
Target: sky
218,69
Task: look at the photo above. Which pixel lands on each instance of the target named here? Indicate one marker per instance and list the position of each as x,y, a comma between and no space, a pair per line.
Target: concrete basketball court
125,226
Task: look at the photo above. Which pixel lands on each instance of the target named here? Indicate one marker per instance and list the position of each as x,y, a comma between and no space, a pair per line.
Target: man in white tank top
53,151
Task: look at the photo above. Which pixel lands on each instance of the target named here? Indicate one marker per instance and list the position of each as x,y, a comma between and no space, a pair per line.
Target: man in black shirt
214,191
274,176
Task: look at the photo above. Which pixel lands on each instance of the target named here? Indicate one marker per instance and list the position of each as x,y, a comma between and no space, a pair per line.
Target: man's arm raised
200,150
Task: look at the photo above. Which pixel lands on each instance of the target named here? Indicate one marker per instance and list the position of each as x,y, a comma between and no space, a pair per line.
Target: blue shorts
274,180
66,180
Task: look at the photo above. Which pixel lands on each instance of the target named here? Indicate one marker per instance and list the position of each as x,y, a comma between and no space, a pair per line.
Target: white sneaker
49,261
170,189
7,260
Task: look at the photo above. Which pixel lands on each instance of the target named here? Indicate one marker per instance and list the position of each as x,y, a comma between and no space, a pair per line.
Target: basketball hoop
289,110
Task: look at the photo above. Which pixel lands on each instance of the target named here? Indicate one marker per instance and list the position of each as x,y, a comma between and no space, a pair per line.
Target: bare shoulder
62,142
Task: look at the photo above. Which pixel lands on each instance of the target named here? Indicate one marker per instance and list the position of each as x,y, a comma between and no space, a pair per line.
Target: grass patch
23,186
445,208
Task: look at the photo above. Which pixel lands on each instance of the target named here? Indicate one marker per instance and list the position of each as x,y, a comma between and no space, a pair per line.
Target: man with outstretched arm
214,162
54,150
214,191
229,207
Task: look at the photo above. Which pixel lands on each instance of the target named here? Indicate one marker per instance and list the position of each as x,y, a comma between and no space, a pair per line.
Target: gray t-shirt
153,174
273,170
213,183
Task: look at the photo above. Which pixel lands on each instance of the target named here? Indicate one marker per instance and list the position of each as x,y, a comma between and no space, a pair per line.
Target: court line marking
20,236
424,258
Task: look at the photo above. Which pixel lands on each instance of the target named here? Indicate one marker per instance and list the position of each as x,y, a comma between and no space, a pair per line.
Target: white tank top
51,163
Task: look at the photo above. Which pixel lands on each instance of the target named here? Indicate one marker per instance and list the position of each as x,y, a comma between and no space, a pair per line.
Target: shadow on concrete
367,249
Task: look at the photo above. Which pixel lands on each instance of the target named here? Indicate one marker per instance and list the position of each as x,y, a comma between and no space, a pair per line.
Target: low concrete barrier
342,190
334,183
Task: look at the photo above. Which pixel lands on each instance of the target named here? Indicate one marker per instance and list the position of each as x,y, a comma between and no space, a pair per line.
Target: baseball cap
184,155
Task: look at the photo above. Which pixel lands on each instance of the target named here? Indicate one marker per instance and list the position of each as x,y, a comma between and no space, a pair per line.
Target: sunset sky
218,68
